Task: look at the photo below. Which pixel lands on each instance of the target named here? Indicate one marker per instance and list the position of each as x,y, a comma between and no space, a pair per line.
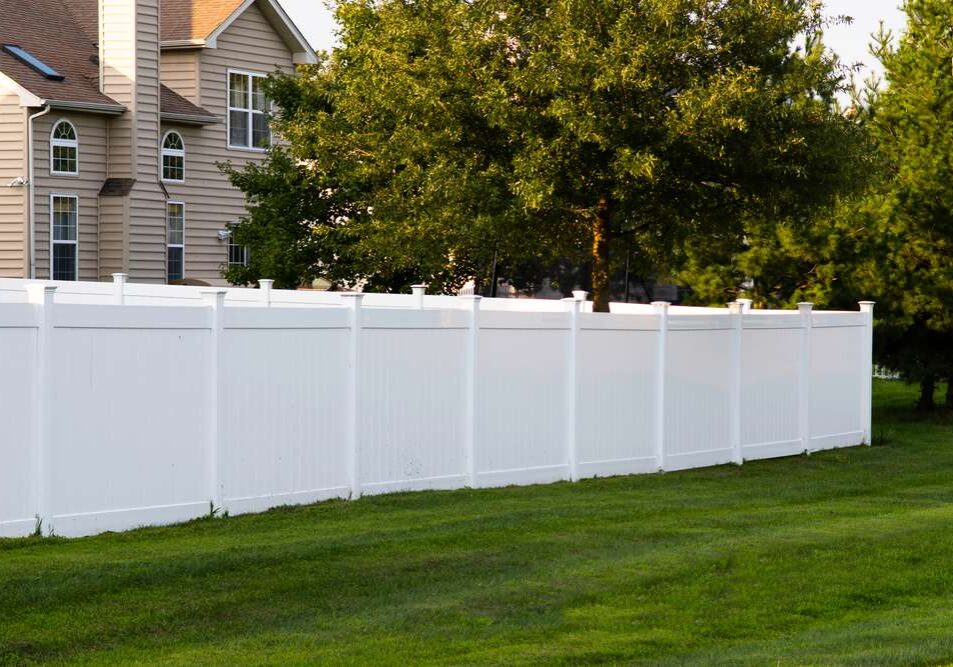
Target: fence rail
123,405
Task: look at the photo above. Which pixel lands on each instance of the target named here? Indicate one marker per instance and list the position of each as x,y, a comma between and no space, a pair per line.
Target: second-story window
64,149
247,111
173,158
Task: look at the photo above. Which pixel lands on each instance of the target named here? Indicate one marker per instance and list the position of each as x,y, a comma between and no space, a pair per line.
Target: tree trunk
927,387
600,257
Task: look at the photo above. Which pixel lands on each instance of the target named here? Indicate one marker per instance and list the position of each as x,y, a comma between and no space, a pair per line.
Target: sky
849,41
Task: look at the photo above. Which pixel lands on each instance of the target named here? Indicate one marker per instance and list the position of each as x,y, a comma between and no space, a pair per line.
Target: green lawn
842,557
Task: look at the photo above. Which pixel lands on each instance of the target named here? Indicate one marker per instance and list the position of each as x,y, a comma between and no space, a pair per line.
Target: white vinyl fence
123,405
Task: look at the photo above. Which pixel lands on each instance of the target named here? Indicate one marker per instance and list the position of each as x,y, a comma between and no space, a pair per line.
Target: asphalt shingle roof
50,33
63,34
194,19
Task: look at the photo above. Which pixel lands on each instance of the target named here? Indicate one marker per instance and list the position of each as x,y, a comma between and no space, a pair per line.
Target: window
64,223
64,150
237,254
33,62
173,157
175,252
247,111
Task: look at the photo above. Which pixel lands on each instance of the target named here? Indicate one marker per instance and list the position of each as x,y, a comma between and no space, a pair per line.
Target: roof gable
200,22
195,20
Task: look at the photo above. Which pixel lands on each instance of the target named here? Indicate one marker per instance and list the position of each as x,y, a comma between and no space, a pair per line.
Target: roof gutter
89,107
31,191
189,119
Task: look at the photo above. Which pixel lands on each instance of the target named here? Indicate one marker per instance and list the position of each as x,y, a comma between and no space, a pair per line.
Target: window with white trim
64,235
175,245
237,253
247,111
173,158
64,150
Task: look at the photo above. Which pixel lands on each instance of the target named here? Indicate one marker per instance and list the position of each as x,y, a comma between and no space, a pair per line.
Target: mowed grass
843,557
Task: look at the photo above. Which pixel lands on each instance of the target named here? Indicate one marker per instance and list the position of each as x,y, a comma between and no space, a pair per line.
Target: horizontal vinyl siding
147,203
180,73
12,200
118,28
113,213
251,44
91,133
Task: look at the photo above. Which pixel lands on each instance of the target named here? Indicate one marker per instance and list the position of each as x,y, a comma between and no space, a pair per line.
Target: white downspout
31,205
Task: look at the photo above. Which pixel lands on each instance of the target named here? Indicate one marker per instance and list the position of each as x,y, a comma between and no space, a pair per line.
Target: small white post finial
419,291
266,285
119,293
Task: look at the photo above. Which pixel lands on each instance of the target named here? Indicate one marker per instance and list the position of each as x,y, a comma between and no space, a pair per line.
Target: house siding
113,236
211,203
91,135
147,202
117,52
180,72
13,254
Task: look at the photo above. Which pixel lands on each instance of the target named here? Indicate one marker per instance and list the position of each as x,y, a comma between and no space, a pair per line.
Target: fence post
353,302
41,296
661,310
804,377
736,311
265,285
214,300
119,288
745,305
867,368
472,303
573,306
419,292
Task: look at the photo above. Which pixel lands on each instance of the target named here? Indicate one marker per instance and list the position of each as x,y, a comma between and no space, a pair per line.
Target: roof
74,54
195,20
191,23
176,108
71,53
117,187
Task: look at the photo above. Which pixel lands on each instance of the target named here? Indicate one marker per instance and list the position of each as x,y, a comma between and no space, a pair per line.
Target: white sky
850,41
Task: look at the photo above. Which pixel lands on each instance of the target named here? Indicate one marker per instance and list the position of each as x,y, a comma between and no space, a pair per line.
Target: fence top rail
14,290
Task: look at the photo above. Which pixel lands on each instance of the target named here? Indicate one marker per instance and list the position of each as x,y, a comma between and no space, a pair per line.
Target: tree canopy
443,134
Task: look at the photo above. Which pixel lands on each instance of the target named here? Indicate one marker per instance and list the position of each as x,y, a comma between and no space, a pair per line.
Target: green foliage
912,211
452,132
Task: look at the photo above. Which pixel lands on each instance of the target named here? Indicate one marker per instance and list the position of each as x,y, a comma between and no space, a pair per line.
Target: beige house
113,117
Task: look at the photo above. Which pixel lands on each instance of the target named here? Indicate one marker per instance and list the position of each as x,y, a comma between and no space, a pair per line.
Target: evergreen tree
912,213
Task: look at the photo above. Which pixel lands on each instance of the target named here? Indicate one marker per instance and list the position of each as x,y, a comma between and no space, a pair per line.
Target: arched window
64,150
173,157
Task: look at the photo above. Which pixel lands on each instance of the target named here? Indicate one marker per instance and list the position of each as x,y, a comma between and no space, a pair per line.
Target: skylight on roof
30,60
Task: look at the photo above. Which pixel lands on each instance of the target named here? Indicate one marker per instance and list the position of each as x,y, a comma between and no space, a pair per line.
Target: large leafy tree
456,132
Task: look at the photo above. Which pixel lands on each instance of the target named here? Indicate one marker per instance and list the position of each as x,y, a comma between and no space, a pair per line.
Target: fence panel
836,381
616,394
520,398
18,334
770,366
697,405
283,421
126,417
411,388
